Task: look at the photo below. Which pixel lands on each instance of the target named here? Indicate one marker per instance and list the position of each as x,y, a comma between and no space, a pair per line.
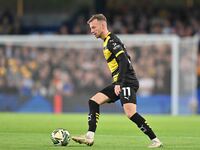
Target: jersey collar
107,35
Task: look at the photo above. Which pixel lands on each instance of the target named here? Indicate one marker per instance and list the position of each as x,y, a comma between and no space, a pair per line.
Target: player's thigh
100,98
128,95
129,109
106,95
128,100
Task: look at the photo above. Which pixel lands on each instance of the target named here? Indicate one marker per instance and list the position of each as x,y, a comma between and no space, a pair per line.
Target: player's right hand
117,89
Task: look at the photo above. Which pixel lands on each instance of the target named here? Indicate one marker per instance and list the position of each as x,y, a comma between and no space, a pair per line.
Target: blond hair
99,17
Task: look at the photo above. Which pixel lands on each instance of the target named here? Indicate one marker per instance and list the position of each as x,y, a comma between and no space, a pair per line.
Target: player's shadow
70,146
79,145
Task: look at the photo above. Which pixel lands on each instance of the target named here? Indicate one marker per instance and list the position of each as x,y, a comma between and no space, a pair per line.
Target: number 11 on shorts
126,92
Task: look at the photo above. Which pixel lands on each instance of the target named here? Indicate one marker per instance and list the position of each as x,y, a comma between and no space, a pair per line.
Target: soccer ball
60,137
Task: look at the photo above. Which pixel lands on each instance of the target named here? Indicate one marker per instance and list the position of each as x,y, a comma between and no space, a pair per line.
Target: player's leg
93,118
128,100
95,101
104,96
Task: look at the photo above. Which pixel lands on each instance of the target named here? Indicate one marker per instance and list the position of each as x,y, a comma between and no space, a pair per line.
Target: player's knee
93,98
129,112
129,109
99,98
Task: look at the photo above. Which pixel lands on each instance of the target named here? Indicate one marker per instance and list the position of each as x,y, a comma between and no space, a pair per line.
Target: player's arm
123,66
119,52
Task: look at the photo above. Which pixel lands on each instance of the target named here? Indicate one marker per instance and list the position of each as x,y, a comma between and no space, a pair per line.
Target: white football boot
155,143
87,139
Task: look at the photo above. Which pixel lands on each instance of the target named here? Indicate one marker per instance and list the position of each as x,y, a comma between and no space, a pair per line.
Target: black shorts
127,94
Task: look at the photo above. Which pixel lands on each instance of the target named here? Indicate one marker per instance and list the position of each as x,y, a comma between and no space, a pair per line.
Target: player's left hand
117,89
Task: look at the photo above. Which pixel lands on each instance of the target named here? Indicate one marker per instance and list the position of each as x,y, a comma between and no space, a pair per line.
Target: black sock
142,124
93,115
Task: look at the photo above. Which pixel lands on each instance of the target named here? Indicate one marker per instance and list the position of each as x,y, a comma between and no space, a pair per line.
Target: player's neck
104,34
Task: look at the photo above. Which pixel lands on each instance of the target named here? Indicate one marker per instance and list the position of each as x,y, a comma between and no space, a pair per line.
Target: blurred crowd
123,19
30,70
148,19
9,23
49,70
127,19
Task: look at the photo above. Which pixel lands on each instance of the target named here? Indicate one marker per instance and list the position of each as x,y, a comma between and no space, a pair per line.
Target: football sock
142,124
93,115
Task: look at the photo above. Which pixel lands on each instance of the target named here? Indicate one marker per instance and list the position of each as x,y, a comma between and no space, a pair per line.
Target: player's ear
104,24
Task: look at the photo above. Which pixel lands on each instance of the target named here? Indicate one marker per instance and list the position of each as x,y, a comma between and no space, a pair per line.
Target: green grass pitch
115,132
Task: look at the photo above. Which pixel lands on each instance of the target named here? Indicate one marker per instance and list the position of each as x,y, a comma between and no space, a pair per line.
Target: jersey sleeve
115,47
118,51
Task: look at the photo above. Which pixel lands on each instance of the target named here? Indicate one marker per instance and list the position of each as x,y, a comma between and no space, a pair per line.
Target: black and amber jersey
119,61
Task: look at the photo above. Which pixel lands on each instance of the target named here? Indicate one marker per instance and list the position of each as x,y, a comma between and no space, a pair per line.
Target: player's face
96,28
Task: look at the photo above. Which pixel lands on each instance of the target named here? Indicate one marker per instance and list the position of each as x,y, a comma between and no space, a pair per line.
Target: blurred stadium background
48,63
